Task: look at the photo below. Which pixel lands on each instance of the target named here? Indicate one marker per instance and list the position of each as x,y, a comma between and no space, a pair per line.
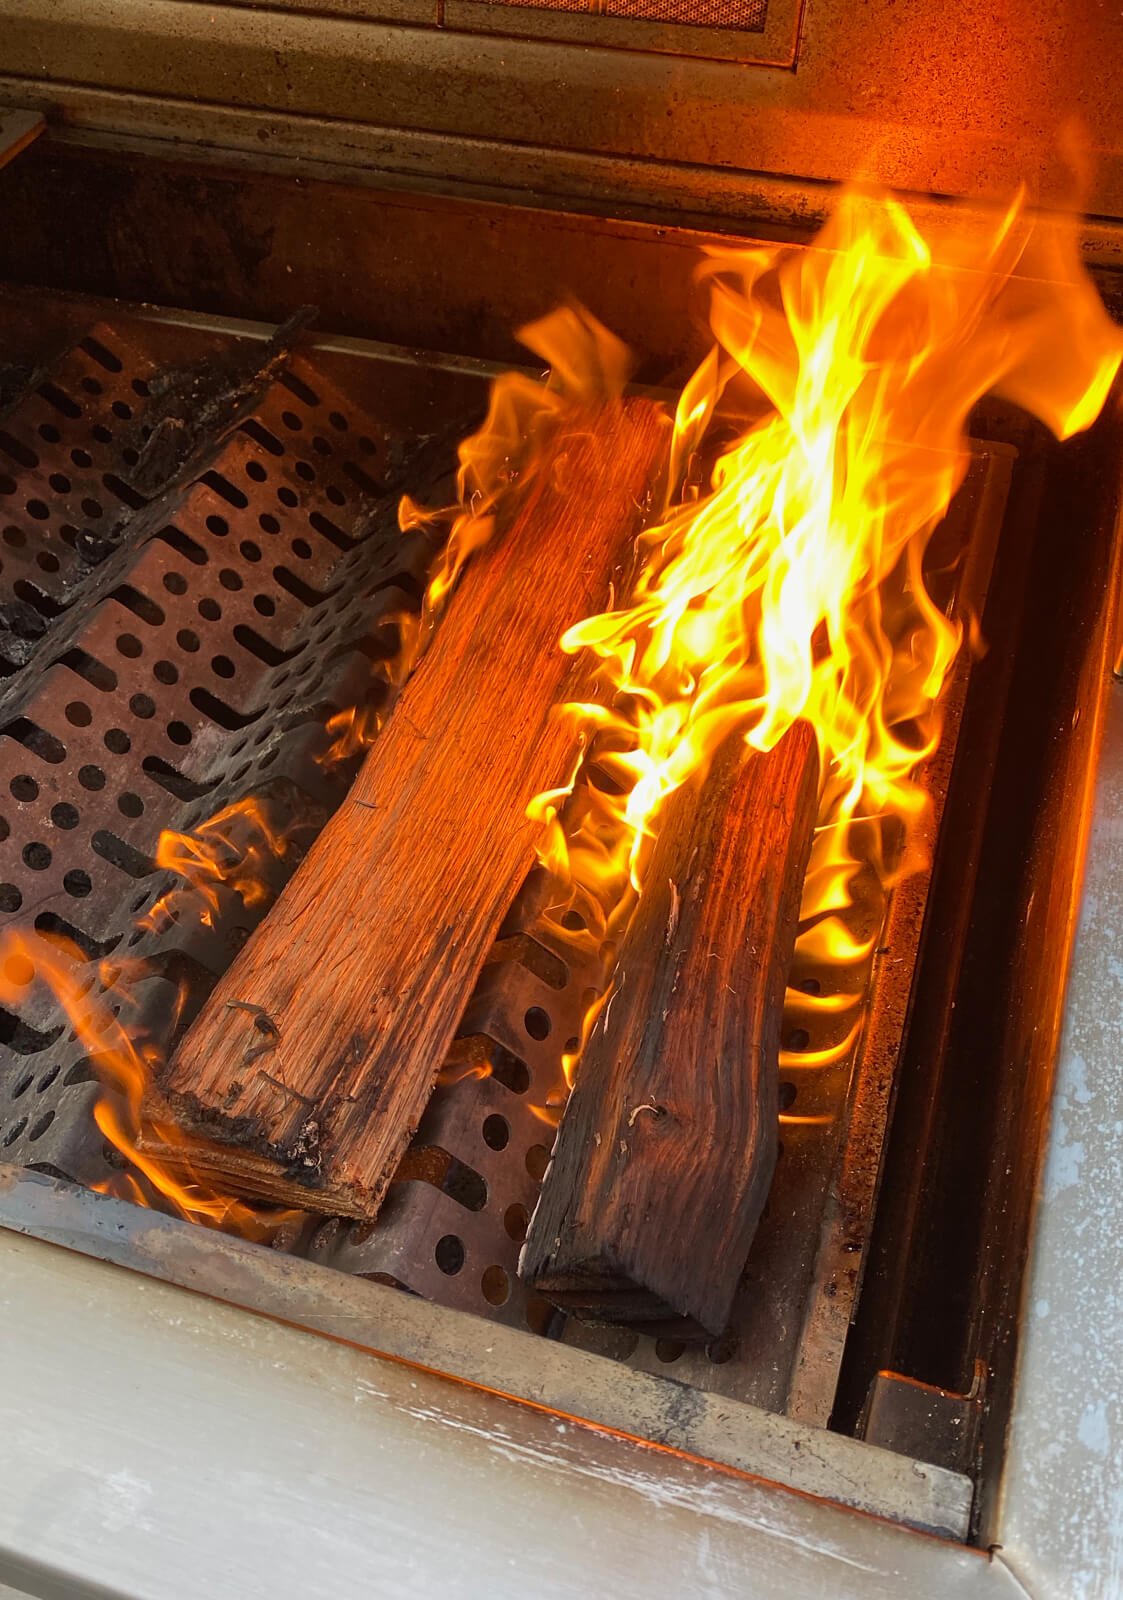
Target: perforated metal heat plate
167,653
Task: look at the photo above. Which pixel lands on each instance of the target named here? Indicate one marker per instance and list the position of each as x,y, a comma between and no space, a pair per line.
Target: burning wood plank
313,1060
665,1153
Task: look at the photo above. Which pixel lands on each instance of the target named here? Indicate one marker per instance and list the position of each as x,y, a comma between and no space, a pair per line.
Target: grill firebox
183,648
200,576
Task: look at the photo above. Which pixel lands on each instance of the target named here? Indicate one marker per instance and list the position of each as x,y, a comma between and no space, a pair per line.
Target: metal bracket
918,1419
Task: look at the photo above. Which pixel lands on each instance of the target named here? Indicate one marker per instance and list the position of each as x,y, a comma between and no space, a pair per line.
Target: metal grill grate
452,1227
453,1224
455,1218
744,16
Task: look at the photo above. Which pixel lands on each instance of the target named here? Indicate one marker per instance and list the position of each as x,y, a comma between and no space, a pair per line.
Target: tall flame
792,586
585,363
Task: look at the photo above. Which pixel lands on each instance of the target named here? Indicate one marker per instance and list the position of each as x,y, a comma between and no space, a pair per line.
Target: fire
584,363
791,585
783,581
231,850
352,732
235,850
124,1062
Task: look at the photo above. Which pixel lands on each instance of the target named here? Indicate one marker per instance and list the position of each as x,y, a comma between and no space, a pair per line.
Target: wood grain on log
666,1149
357,979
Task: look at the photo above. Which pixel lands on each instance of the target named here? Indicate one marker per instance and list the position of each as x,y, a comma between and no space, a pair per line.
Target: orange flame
788,585
584,363
791,587
234,850
351,732
125,1064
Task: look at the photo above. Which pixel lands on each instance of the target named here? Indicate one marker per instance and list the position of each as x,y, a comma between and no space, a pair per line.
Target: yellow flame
784,581
124,1063
829,1056
820,1005
790,586
584,363
232,850
235,850
351,733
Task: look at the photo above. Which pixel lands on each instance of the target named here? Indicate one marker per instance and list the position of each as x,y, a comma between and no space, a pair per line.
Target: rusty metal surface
432,273
921,1420
167,657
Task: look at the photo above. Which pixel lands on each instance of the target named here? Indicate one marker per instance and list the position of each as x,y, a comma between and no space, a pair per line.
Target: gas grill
221,364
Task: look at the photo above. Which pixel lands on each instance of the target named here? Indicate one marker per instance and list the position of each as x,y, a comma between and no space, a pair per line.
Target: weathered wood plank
666,1149
361,972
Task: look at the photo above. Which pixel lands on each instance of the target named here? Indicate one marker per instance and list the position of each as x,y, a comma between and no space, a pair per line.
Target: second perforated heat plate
167,654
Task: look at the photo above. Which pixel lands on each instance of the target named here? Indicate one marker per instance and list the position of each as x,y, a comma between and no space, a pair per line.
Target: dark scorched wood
666,1149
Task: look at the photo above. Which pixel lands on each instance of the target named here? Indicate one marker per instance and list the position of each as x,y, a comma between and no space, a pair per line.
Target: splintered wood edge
621,1303
248,1177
